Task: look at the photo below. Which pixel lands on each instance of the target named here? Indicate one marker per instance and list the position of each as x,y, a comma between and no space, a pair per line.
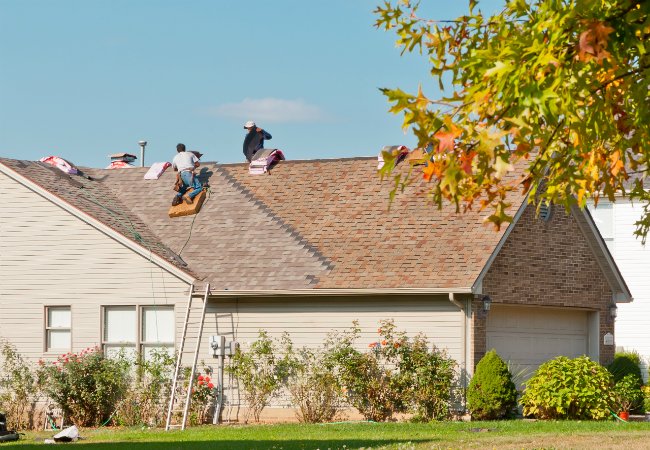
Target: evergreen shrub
491,394
626,363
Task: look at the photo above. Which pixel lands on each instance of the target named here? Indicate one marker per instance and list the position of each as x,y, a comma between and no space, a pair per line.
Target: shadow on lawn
241,445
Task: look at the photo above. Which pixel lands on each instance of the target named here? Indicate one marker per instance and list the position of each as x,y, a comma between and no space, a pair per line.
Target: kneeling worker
185,162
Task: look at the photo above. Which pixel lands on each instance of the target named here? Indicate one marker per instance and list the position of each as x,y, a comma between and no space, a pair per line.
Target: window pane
148,350
58,340
158,324
113,351
120,324
603,215
58,317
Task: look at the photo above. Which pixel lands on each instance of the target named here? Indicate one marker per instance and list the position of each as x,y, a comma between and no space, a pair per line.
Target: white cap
249,124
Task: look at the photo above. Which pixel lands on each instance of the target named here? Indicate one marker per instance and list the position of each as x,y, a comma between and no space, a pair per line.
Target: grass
507,434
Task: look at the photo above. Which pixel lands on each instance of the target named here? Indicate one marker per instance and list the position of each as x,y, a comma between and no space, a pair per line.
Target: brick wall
547,264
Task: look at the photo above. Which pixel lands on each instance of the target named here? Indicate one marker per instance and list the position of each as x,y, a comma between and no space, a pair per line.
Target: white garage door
527,336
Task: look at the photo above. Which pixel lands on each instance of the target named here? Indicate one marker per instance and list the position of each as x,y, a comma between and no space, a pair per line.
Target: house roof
309,225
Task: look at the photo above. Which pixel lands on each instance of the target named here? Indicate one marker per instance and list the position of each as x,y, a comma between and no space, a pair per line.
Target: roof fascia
103,228
477,287
339,292
623,295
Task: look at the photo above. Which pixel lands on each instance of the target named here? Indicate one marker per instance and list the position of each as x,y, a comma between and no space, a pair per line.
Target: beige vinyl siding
308,320
49,257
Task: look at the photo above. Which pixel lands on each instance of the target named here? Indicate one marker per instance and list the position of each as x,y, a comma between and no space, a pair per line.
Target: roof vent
545,210
121,161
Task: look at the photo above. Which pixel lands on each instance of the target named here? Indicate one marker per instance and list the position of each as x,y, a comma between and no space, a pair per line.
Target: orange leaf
428,171
446,138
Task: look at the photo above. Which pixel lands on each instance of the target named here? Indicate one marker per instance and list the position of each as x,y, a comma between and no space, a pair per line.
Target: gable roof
308,226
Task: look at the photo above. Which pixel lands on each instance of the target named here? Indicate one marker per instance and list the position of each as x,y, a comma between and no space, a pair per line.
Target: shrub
646,398
145,402
261,371
203,394
627,393
564,388
18,388
626,363
313,388
396,375
87,386
491,394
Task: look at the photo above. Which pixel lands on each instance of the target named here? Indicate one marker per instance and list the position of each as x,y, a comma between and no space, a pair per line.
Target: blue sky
83,79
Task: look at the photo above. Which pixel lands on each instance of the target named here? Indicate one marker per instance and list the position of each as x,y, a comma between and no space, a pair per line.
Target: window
57,329
157,329
603,215
131,329
120,330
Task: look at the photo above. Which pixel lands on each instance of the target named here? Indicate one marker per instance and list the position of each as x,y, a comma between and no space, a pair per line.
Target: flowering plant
87,386
203,394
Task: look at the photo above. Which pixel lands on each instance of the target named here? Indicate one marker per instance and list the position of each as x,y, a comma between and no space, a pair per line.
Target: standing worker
184,163
254,139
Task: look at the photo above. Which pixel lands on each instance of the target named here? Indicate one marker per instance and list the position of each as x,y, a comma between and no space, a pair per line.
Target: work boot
188,200
177,201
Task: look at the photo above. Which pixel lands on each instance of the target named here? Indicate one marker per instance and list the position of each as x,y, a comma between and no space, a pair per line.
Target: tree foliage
559,87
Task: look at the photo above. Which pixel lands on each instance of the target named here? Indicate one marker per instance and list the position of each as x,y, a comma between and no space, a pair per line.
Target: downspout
466,310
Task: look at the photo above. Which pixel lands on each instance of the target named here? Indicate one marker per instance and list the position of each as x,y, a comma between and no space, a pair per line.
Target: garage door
527,336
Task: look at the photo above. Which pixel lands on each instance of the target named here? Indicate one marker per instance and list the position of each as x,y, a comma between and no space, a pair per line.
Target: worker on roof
184,163
254,139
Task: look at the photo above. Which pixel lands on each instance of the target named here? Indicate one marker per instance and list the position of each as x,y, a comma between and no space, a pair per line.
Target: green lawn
508,434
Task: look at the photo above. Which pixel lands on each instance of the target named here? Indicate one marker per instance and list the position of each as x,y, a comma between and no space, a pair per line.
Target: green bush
19,391
626,363
646,398
564,388
145,403
261,371
491,394
87,386
627,393
396,375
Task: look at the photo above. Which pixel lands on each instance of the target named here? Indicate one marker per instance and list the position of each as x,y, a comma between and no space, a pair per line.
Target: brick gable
542,257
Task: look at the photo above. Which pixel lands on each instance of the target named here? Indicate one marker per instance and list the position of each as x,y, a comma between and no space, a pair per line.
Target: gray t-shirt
184,161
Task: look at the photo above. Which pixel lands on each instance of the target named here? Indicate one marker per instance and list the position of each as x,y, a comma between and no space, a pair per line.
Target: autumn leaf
466,161
592,43
446,138
501,167
616,163
428,171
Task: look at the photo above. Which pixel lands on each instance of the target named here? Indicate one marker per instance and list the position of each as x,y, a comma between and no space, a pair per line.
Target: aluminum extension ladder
176,405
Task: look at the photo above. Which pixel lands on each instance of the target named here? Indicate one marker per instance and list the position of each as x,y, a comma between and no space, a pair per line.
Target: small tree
19,390
491,394
261,371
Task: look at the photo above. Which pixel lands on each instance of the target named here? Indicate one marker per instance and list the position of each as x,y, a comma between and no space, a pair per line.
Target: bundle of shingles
264,160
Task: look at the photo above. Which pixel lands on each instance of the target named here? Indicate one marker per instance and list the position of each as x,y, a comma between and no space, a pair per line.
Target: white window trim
139,343
47,328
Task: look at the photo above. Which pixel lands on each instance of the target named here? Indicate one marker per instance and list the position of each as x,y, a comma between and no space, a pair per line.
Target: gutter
338,292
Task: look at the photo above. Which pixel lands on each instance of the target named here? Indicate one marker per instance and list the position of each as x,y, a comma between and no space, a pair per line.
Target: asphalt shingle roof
321,224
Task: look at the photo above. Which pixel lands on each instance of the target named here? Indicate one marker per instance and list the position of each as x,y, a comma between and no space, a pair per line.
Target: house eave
338,292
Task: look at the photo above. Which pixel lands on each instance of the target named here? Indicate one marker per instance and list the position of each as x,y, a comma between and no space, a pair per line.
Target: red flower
200,382
200,378
210,386
384,342
207,379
